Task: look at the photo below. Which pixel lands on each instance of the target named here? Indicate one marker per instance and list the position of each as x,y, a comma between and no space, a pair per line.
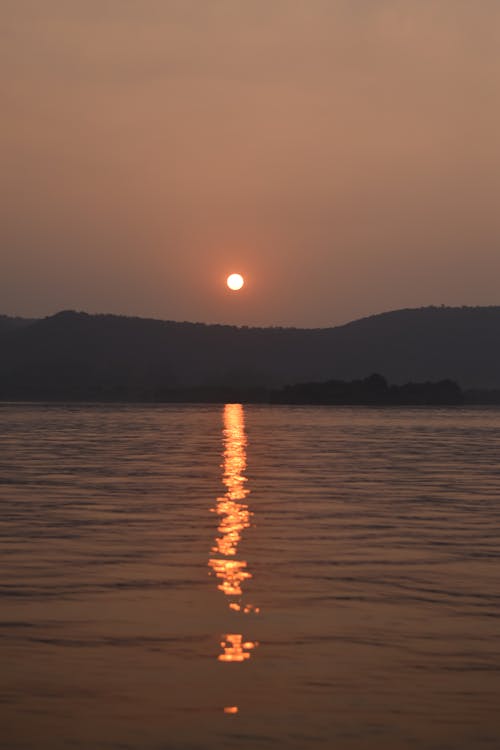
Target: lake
182,577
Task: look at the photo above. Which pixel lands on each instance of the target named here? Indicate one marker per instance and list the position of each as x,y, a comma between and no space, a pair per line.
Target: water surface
249,577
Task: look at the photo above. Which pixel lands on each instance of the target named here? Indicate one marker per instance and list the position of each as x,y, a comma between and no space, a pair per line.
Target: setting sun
235,281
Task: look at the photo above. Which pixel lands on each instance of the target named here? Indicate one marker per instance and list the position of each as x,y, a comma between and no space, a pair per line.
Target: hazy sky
344,155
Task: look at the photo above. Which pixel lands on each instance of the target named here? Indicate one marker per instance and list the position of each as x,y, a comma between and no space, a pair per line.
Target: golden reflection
232,573
234,649
234,518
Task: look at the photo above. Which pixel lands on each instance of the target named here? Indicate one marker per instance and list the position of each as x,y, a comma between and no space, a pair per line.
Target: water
182,577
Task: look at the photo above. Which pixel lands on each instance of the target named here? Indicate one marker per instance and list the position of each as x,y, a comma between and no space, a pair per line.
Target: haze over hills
77,354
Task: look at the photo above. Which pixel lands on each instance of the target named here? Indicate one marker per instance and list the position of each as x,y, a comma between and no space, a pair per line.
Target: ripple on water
353,602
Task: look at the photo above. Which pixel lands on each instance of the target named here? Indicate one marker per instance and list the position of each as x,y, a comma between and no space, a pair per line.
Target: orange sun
235,281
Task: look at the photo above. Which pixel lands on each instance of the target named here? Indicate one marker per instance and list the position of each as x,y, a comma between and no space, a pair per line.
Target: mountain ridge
80,353
72,313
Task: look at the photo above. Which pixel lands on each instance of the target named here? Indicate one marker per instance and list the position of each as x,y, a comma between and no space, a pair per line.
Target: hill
9,323
73,354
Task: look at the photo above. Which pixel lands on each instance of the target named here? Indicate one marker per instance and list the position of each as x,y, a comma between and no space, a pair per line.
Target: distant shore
78,356
371,391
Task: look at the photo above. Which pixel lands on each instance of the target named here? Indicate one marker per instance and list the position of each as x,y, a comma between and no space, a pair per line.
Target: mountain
8,324
73,354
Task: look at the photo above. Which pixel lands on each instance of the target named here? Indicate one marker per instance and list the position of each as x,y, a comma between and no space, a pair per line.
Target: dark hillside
79,355
11,324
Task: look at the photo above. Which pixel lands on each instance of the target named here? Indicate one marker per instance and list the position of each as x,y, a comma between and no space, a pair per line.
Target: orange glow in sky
265,168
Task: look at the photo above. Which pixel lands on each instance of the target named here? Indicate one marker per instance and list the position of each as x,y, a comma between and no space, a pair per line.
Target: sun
235,281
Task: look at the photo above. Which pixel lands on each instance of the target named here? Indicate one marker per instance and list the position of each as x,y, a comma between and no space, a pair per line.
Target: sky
343,155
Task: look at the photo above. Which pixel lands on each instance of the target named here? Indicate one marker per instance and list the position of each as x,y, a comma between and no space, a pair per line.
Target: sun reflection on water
234,649
234,518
